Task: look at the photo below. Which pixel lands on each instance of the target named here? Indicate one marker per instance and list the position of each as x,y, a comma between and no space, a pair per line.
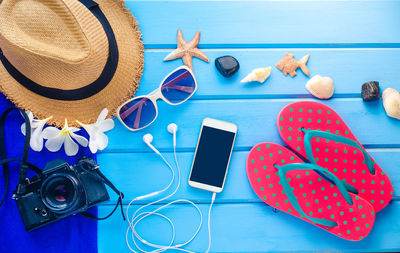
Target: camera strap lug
20,189
119,202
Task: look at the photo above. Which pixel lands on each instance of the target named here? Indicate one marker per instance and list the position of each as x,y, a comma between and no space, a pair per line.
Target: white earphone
140,215
148,138
173,128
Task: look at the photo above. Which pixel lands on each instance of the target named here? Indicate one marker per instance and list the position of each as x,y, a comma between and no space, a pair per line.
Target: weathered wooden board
350,41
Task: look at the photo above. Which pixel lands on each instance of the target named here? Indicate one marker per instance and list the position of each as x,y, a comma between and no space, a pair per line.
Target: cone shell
320,87
259,75
391,102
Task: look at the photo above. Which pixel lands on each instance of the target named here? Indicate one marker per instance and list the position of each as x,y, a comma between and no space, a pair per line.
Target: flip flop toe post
283,181
317,133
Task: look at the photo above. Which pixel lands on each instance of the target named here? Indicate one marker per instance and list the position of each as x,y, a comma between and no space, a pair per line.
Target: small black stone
227,65
370,91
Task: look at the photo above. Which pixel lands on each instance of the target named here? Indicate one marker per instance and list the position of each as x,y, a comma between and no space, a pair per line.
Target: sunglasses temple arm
138,114
178,87
130,110
177,79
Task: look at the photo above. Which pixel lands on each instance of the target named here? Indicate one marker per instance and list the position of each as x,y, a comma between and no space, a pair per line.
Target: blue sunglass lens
138,113
178,86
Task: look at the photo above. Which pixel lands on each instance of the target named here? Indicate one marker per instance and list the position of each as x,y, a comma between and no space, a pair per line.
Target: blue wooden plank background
350,41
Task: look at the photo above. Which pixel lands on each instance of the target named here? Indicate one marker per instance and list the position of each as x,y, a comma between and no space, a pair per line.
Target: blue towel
71,235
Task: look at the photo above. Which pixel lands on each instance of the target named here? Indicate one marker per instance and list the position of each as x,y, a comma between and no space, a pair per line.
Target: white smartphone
212,156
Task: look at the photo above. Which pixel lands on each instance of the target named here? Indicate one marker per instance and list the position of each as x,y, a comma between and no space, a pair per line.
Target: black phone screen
212,156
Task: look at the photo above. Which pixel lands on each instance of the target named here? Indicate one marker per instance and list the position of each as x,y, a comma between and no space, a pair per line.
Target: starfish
187,50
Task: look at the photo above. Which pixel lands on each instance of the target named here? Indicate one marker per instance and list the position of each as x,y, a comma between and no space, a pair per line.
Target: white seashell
391,102
259,75
320,87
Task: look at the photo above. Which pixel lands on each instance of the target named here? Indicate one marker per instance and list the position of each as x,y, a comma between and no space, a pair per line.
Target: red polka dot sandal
282,180
317,133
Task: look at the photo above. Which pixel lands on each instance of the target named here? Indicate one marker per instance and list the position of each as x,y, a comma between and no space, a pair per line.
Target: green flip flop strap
282,170
309,134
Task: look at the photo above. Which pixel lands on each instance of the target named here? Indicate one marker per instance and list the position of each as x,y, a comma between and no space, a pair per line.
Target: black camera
59,191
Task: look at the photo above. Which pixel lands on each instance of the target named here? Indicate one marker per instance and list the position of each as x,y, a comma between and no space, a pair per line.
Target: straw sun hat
69,58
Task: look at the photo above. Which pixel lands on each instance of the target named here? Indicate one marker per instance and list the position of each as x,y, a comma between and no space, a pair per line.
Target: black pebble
370,91
227,65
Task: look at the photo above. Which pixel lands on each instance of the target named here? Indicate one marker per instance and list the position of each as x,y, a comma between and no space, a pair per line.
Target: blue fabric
71,235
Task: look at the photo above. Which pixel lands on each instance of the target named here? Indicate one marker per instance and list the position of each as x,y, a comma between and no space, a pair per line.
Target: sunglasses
139,112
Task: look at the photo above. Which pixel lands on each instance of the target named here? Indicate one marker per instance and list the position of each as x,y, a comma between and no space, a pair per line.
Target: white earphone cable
209,222
139,216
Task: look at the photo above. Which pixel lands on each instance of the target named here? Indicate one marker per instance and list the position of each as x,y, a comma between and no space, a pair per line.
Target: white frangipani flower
56,138
37,125
98,140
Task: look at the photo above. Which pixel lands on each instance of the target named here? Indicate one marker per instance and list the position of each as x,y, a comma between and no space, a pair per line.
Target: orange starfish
187,50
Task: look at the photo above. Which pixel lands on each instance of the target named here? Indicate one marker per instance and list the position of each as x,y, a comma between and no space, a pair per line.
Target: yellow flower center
64,131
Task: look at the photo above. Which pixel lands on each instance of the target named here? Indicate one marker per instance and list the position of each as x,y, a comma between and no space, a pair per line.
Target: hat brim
123,85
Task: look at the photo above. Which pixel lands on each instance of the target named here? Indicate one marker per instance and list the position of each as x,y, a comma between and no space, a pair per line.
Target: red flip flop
317,133
282,180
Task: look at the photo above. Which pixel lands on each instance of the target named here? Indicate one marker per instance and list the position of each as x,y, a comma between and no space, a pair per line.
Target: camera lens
60,192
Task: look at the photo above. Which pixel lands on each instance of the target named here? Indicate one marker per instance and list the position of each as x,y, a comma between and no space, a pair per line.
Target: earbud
173,128
148,138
